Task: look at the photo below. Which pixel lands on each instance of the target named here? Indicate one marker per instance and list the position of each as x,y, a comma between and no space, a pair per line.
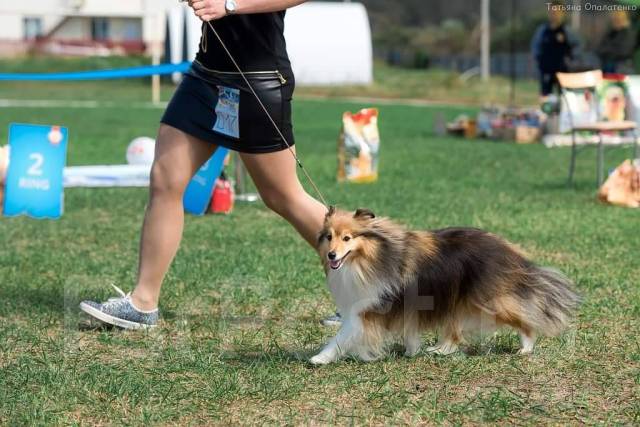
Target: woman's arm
209,10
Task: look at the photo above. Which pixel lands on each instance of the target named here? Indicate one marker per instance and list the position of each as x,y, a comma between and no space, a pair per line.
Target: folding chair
590,80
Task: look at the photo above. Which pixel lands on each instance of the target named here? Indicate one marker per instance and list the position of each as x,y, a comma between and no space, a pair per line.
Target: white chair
589,80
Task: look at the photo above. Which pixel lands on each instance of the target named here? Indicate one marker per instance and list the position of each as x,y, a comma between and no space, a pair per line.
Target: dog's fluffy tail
550,301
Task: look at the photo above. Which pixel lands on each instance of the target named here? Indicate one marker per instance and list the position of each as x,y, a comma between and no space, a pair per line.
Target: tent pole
512,55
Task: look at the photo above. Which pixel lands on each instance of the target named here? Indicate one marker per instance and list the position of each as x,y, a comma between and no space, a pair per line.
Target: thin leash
266,111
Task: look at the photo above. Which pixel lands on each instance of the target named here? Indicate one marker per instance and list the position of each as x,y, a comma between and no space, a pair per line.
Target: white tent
328,43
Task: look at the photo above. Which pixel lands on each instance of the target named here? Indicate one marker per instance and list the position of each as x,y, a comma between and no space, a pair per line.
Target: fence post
485,42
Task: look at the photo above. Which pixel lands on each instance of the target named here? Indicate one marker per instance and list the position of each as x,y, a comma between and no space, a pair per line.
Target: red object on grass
222,197
364,116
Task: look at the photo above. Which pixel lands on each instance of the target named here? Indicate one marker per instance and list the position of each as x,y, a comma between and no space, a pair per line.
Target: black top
256,42
616,49
553,48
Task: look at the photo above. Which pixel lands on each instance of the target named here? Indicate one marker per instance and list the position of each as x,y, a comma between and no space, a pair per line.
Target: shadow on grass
396,353
491,349
87,324
564,186
29,300
254,358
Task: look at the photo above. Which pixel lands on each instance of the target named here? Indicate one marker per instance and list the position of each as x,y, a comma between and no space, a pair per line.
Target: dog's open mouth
335,264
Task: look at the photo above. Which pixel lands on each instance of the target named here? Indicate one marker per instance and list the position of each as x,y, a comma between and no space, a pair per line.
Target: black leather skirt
219,108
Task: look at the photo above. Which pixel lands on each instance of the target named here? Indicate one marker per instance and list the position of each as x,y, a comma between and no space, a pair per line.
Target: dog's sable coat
391,283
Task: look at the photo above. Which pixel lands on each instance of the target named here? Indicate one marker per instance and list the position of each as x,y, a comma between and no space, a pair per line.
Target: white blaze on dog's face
339,239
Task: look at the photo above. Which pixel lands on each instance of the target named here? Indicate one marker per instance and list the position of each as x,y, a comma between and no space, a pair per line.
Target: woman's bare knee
273,201
278,202
178,156
167,180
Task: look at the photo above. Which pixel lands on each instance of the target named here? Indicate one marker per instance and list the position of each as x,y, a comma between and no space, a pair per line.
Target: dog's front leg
341,344
329,354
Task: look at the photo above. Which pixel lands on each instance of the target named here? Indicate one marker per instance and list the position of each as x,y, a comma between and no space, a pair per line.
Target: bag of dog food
359,146
622,188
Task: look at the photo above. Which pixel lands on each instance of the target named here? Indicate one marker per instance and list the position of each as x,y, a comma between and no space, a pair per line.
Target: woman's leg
277,181
178,157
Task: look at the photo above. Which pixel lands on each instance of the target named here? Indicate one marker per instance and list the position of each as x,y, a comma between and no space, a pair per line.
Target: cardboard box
503,134
518,134
527,134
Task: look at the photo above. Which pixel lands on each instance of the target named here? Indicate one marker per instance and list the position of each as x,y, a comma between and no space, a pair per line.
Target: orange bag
622,188
359,146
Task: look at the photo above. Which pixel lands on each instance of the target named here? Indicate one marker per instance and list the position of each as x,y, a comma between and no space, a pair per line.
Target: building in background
97,27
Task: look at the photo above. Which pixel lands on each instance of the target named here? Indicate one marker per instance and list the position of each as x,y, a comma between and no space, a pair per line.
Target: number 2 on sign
36,167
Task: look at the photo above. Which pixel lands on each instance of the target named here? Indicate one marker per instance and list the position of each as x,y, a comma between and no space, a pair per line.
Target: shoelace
123,296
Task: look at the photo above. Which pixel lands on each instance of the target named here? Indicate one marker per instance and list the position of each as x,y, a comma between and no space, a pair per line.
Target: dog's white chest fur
353,295
350,292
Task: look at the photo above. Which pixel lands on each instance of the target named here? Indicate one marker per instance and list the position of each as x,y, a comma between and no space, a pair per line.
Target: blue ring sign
34,183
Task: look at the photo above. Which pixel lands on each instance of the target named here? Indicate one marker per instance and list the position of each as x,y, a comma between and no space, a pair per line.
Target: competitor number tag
228,112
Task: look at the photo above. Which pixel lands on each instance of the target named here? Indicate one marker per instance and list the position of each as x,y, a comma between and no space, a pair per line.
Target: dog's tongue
334,264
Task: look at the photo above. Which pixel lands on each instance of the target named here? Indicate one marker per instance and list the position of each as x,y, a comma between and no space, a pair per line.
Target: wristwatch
231,6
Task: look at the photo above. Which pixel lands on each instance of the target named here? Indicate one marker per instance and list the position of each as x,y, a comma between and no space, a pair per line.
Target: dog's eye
329,237
346,238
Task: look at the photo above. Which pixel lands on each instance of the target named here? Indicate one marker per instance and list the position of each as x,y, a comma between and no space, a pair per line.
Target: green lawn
242,301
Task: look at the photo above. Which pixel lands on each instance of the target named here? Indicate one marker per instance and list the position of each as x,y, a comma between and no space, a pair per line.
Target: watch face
230,5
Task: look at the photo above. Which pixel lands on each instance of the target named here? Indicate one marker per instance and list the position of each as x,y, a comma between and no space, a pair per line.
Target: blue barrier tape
123,73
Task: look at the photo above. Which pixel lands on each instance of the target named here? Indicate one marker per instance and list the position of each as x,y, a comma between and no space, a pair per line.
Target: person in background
618,44
553,47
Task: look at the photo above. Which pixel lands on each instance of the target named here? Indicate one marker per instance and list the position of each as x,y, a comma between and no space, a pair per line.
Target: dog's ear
331,211
364,214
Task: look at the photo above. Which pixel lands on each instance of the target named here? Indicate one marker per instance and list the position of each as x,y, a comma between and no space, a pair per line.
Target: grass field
242,301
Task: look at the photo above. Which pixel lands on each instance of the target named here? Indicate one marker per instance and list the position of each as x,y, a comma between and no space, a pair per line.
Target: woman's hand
208,10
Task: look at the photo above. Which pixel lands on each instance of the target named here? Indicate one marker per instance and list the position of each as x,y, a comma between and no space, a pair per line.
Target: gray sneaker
121,312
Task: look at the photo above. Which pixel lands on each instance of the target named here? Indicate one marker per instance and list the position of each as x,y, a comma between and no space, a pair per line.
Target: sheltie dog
391,284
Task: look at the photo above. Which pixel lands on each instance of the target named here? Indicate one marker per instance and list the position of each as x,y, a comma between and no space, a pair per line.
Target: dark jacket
616,50
554,48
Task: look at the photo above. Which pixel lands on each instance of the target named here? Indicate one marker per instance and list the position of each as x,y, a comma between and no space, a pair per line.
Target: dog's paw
443,349
321,359
411,351
412,346
525,351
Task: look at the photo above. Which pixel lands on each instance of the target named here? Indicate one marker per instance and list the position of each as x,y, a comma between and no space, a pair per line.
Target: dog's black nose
331,255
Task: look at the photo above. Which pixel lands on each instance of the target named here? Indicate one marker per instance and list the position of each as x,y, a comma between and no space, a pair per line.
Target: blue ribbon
123,73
